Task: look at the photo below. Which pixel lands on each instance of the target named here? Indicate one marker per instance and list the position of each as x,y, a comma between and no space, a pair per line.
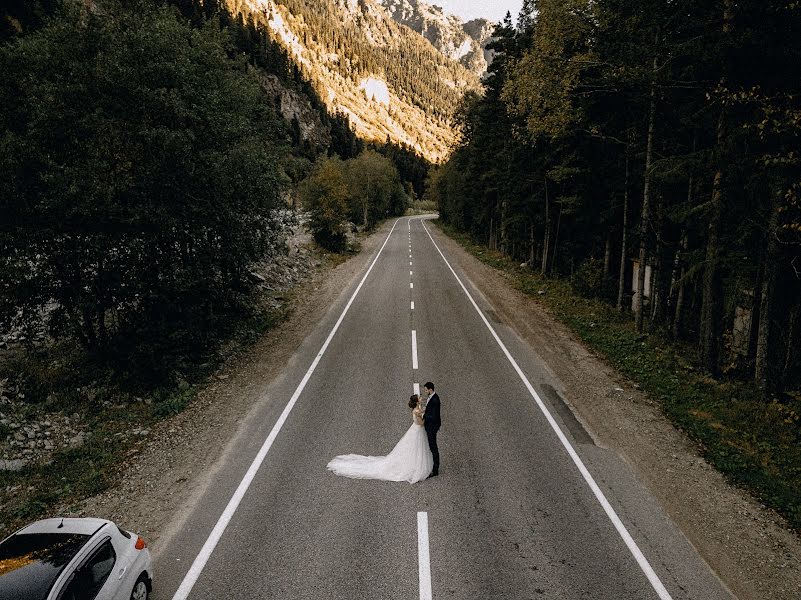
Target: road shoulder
160,485
746,544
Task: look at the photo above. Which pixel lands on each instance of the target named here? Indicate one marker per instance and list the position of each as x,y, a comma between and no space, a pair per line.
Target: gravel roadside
159,485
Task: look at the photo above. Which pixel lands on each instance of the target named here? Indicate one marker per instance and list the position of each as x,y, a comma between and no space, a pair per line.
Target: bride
410,460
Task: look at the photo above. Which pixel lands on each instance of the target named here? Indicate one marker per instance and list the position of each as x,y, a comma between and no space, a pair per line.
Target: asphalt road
510,516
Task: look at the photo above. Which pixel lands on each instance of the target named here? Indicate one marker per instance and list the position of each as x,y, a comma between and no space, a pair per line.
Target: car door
92,579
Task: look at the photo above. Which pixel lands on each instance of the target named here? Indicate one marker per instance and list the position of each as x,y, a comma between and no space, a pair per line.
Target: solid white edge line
424,560
414,349
659,588
202,558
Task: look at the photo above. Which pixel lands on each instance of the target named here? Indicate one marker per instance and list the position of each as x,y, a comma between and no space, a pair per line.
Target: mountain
390,82
463,42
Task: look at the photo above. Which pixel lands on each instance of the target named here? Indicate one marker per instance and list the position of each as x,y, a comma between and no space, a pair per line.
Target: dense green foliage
613,134
141,178
146,162
364,190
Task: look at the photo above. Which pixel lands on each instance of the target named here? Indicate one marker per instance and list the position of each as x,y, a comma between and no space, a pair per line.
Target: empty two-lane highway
526,506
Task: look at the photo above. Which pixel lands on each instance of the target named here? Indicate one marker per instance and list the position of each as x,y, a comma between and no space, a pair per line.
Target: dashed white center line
411,273
414,349
412,304
411,285
417,388
424,569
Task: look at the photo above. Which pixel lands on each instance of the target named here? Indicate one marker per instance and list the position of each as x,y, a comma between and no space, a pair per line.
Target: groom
432,422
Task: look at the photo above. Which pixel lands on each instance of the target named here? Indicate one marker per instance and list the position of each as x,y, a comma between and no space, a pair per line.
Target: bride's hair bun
413,399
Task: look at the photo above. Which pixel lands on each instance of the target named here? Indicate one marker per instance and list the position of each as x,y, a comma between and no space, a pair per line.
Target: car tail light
140,543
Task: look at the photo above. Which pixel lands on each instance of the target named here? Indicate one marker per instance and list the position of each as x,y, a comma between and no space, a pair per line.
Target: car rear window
31,563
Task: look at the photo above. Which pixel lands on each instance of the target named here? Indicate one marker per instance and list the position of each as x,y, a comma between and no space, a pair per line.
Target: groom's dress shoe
434,474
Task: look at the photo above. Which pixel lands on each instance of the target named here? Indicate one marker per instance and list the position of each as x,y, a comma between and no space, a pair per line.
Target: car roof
83,526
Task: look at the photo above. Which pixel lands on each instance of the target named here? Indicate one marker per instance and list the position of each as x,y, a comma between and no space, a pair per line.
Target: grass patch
754,441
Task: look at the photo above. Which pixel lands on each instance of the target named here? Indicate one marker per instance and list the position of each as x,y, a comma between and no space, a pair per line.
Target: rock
16,464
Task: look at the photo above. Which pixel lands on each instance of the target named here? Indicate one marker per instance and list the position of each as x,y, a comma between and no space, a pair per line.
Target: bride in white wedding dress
410,460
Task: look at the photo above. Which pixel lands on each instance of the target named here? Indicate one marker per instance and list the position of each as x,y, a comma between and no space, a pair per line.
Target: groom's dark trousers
431,421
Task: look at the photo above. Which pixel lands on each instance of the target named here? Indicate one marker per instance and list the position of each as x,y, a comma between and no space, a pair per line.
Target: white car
74,559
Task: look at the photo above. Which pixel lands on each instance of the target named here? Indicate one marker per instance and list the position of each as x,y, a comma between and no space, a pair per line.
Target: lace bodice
417,415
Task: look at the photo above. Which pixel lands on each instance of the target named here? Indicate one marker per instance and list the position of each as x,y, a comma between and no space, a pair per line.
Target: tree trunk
531,245
659,283
753,328
505,204
621,284
762,373
546,239
607,256
556,238
503,219
709,337
679,310
789,354
656,287
646,198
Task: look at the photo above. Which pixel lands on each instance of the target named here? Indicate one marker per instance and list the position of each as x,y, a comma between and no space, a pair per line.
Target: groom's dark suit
431,422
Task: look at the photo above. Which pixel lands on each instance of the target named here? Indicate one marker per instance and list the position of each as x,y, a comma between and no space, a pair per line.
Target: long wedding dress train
410,460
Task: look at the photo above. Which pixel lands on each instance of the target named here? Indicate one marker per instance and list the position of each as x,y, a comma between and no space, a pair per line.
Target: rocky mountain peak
459,41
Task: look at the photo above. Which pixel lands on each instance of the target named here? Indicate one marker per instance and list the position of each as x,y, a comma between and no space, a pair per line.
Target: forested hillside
662,134
460,41
391,82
